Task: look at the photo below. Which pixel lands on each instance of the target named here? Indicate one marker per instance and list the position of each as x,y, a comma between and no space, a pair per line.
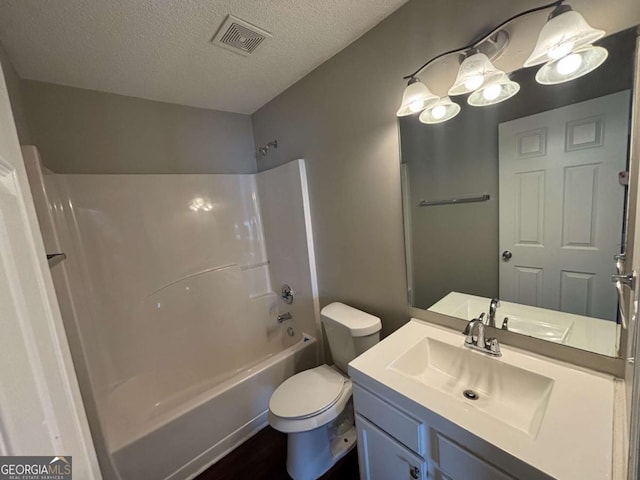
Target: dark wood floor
264,456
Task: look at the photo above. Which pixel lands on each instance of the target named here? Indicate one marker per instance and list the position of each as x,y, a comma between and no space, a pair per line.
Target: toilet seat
309,399
307,393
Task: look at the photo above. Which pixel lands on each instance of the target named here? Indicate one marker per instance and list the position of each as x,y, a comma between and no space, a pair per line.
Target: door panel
576,292
561,205
579,206
530,213
528,285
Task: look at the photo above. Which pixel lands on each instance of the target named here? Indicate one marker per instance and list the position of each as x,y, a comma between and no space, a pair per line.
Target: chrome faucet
493,306
475,339
505,324
283,317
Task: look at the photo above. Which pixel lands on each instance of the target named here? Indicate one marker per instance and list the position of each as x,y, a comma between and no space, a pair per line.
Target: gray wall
341,119
84,131
460,157
14,87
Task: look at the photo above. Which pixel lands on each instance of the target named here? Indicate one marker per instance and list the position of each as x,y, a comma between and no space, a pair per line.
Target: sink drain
470,394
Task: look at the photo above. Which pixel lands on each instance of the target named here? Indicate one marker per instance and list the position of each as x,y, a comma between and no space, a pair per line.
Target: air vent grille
239,36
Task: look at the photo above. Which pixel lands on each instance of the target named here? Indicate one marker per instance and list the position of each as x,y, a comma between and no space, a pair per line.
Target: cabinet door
441,476
381,457
461,464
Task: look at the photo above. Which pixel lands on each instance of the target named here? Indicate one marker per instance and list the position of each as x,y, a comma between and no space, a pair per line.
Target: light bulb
474,82
416,105
560,50
569,64
438,112
492,91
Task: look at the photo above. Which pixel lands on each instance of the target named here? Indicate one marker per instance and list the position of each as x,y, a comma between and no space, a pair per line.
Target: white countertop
575,439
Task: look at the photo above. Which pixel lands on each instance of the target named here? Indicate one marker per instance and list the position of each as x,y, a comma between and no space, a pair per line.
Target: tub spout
283,317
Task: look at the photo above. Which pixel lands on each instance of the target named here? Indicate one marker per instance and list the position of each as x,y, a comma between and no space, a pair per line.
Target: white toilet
314,407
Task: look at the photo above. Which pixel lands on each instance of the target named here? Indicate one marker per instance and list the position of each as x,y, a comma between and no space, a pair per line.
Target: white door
41,412
561,205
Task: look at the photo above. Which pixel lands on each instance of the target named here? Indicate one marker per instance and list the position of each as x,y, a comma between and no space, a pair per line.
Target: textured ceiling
160,50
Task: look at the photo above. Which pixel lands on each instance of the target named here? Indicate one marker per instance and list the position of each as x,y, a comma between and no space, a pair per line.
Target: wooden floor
264,456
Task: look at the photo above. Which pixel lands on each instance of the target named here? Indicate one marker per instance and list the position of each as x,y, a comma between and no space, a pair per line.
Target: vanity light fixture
565,31
416,97
475,70
495,92
441,111
564,46
572,66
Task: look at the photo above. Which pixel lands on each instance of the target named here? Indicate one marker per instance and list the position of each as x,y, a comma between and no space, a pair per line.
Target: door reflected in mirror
525,202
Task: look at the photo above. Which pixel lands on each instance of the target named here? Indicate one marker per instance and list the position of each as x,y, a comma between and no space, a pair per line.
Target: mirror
525,201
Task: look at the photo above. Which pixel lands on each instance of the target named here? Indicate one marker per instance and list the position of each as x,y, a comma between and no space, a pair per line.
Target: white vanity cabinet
428,407
397,444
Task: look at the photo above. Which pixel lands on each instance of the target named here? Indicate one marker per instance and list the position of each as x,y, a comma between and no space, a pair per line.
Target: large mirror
525,202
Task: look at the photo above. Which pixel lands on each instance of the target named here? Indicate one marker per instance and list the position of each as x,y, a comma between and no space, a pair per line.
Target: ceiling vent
239,36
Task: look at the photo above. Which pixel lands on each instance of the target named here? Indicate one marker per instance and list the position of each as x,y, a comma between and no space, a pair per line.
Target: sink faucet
493,306
475,339
505,324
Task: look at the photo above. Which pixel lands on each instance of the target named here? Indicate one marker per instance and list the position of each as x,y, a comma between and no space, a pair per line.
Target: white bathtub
183,436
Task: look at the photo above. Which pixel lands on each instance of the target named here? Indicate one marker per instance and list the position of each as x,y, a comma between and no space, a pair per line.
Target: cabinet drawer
459,463
399,425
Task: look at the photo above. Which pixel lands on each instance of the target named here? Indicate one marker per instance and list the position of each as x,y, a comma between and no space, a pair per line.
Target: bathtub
185,433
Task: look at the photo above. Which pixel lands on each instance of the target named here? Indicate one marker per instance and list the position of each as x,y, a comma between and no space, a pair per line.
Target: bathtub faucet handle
283,317
287,294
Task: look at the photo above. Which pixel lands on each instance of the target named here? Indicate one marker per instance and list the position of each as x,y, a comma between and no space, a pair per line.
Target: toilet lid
307,393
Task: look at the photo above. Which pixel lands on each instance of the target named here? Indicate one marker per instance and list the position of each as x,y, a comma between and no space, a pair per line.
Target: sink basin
509,394
537,328
525,320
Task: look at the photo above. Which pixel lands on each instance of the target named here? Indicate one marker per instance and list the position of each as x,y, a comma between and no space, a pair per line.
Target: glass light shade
475,71
561,35
416,97
572,66
494,92
441,111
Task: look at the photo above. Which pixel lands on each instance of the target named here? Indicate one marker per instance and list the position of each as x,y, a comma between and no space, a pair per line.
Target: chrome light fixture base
493,46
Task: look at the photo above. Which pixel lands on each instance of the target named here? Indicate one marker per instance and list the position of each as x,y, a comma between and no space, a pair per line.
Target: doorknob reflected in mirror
506,255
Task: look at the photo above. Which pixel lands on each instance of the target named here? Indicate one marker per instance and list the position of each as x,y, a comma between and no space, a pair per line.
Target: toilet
314,407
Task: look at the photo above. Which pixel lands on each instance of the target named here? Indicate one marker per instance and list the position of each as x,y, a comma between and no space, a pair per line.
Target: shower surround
168,297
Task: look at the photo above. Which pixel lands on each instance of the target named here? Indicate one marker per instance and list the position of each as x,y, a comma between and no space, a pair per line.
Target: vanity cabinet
397,444
423,400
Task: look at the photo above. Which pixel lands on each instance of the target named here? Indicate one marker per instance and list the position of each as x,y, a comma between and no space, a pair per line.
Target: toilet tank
350,332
